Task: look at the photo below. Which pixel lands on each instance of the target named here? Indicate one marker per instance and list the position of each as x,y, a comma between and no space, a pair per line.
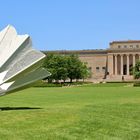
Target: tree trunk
70,80
57,81
49,80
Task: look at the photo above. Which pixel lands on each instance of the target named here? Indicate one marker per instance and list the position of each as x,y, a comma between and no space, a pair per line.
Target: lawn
90,112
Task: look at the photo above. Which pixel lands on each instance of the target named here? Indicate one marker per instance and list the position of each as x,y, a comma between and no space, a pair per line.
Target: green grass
90,112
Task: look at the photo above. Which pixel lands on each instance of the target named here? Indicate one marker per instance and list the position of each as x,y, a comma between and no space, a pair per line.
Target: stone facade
112,64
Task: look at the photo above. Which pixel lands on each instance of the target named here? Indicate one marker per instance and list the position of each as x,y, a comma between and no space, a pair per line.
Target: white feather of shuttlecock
19,62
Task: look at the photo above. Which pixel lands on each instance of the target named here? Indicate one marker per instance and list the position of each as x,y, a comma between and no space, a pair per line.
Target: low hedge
46,84
137,84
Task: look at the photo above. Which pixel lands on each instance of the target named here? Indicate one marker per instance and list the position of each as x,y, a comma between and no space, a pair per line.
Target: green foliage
76,69
64,67
57,66
42,83
137,84
136,72
131,70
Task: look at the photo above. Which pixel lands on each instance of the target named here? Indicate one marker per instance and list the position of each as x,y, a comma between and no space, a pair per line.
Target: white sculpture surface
19,62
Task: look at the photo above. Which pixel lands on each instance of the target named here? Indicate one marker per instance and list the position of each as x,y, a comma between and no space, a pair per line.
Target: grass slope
101,112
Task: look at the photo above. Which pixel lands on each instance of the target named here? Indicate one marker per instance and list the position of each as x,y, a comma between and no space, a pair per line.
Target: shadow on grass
17,108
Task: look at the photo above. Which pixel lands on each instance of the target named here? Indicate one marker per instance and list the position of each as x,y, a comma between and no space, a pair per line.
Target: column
110,64
127,64
134,60
115,64
121,64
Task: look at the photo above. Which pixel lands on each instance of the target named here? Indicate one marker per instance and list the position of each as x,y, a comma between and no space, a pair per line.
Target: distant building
112,64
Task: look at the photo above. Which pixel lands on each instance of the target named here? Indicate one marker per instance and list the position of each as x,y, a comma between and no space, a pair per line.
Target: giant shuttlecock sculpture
20,64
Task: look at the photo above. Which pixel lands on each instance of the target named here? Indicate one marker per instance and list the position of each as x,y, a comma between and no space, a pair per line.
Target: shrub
137,84
45,84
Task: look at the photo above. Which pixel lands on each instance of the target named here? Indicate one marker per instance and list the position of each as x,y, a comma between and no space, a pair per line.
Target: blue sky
73,24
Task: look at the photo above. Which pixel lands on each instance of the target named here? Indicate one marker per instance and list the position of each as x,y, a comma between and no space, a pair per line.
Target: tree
63,67
49,64
76,69
136,70
73,67
85,72
57,66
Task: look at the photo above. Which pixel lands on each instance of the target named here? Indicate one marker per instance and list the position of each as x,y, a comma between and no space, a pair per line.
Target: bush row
46,84
137,84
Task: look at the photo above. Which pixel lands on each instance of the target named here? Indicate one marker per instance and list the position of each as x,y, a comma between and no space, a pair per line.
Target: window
90,69
103,69
125,46
137,46
131,46
97,69
119,46
90,72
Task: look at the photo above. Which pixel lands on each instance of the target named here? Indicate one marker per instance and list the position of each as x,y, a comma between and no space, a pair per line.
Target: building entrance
124,69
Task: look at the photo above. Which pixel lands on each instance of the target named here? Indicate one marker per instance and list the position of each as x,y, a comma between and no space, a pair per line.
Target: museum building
112,64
